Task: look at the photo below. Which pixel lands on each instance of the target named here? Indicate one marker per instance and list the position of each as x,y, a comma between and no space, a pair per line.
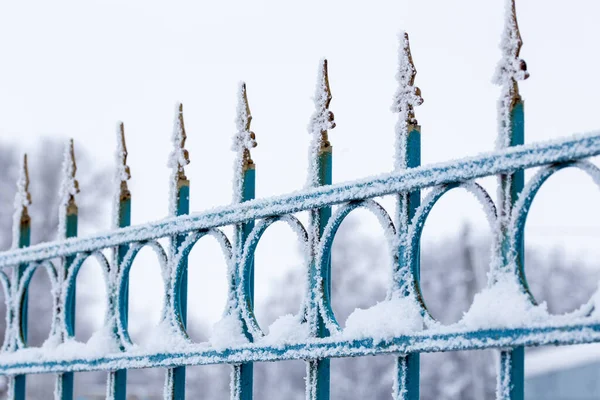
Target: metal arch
23,284
6,287
518,217
406,278
324,249
521,210
185,249
123,278
74,269
250,246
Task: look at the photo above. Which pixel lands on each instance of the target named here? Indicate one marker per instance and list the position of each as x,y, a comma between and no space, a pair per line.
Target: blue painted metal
19,381
117,380
512,369
65,380
176,376
403,235
521,157
318,370
243,374
407,366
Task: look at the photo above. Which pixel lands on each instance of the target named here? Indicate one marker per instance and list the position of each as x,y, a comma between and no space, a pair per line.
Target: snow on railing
504,315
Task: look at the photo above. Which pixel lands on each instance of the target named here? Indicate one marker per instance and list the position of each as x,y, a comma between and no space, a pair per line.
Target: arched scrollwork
243,292
320,297
518,217
406,277
123,283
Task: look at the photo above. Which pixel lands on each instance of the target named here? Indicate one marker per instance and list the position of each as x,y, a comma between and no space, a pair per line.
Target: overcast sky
73,69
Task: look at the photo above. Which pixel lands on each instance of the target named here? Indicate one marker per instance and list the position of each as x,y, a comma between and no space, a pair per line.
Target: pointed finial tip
408,96
25,177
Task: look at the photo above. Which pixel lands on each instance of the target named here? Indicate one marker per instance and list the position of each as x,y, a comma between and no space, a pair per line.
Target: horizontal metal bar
317,348
518,157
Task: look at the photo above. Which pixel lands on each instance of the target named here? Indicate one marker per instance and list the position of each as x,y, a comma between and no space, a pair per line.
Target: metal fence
327,205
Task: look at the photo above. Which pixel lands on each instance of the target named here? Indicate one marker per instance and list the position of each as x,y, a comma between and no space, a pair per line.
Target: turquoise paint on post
514,374
177,375
244,374
117,380
319,371
19,381
408,366
65,380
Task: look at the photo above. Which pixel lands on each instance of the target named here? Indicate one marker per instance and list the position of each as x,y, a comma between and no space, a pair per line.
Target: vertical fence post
21,238
511,371
179,204
117,380
320,173
242,375
408,155
67,227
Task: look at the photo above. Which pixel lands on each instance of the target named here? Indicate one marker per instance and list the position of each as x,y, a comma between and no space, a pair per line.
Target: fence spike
179,155
244,139
22,202
178,159
509,70
69,187
407,95
123,172
322,119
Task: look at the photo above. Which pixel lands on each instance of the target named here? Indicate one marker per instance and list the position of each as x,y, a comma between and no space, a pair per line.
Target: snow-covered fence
504,315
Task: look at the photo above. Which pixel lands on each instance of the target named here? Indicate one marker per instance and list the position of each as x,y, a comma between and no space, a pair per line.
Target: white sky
74,68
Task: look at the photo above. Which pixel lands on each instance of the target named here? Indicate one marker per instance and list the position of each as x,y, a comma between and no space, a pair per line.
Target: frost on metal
122,174
178,159
510,69
243,141
406,98
22,201
321,121
69,188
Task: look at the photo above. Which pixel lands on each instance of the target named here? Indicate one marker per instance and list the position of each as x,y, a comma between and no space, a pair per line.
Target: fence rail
403,325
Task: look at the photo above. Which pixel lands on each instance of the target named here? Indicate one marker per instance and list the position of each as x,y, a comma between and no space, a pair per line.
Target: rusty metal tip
180,107
26,171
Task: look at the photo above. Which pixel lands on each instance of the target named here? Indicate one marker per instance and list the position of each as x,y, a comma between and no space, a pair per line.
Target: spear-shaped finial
22,201
407,95
68,189
179,157
322,119
123,173
510,69
320,122
244,139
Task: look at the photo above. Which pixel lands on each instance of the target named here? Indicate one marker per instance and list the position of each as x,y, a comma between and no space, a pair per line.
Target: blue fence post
179,204
408,155
511,371
21,238
320,173
242,375
117,380
67,228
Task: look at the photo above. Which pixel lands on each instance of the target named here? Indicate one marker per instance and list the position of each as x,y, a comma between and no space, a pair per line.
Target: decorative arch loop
518,217
319,294
406,278
177,265
123,280
7,288
242,290
73,272
19,290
